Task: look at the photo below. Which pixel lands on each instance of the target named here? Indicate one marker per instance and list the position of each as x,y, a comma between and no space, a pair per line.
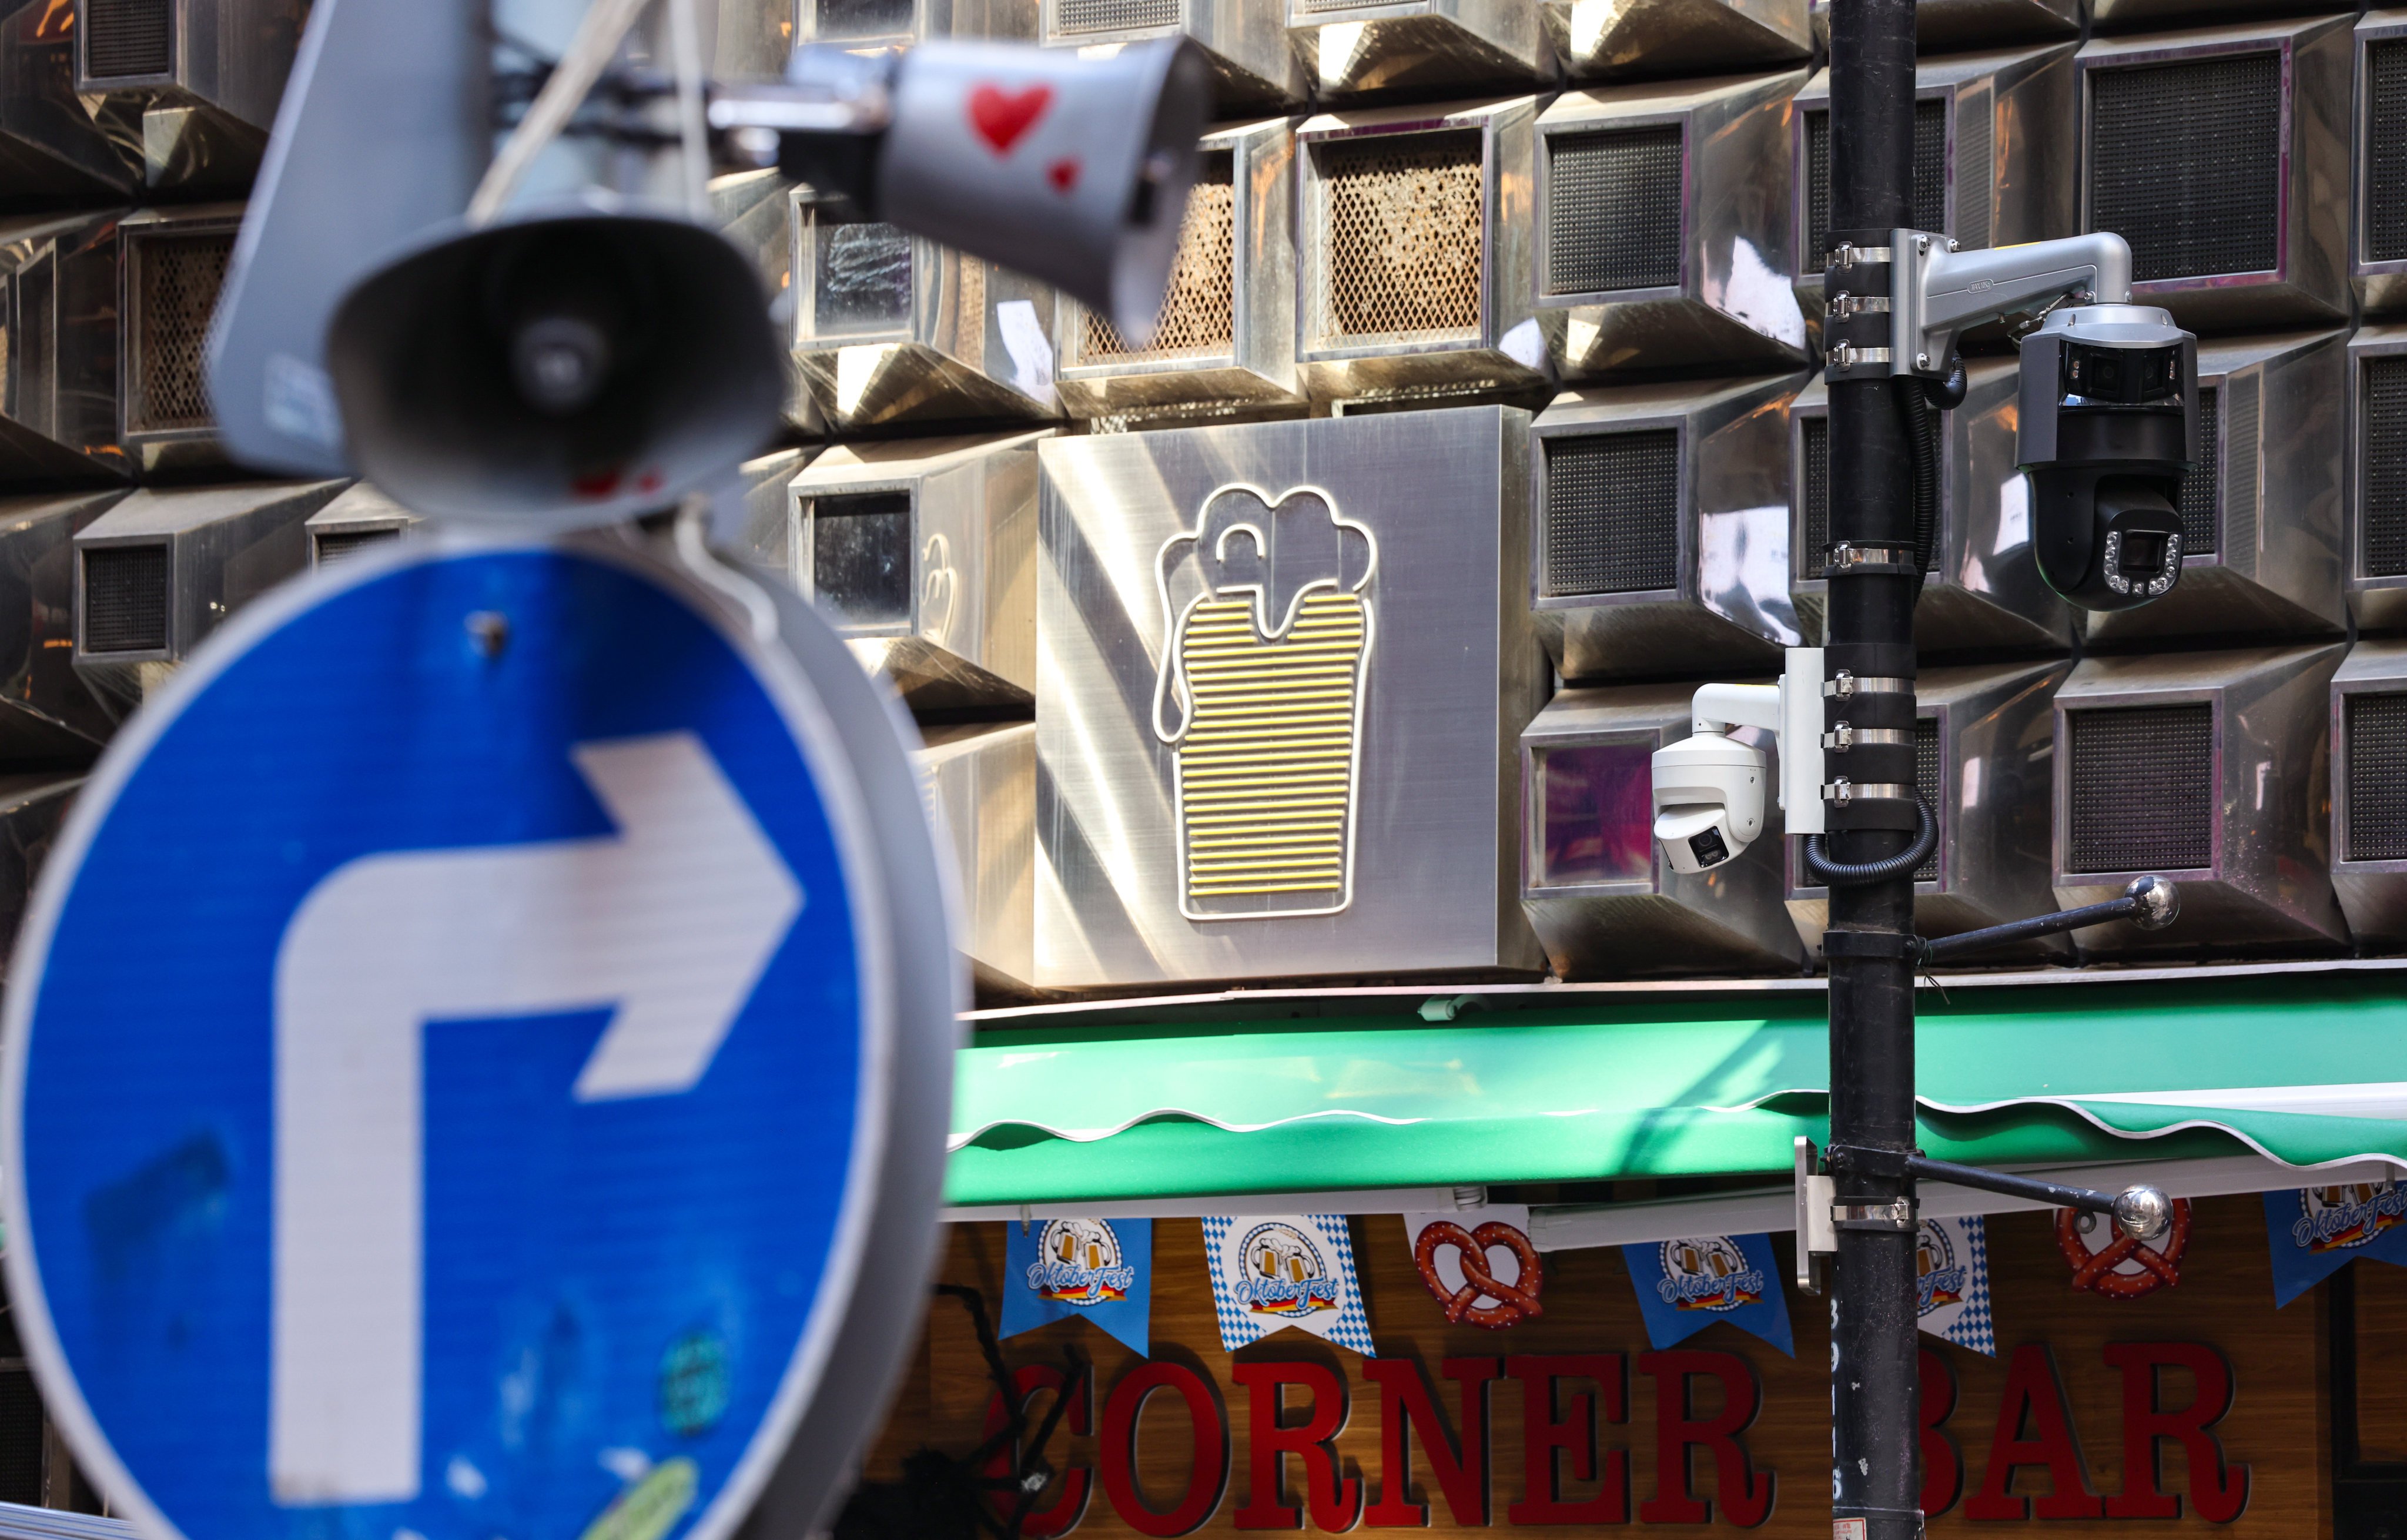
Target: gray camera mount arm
1938,291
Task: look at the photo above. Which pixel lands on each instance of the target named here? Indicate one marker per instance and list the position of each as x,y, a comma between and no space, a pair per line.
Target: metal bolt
489,632
2141,1212
1922,360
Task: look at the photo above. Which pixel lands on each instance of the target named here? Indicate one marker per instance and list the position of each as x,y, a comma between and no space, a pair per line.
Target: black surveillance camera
2108,426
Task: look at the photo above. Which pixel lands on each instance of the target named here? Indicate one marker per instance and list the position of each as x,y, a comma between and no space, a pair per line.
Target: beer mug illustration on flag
1268,607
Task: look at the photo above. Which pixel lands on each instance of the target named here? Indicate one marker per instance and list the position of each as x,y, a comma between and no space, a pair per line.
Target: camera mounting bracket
1936,292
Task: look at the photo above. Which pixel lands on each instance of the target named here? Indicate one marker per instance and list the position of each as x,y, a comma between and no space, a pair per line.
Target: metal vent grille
20,1438
126,39
125,599
2184,162
2238,470
1926,781
1403,236
1198,315
2377,777
2385,462
865,18
1813,437
1975,170
333,545
1613,215
2385,152
178,278
1929,175
2201,498
1613,513
1113,15
861,557
2143,794
1314,7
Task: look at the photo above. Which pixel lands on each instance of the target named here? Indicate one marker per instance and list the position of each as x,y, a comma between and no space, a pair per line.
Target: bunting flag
1685,1286
1951,1262
1286,1270
1100,1270
1478,1264
2315,1232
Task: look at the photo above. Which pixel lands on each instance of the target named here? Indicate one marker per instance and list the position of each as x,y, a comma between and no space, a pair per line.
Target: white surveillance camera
1708,799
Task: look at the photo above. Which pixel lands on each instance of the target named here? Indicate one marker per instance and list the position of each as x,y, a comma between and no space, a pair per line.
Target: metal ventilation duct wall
47,715
2120,16
2378,202
1984,754
921,552
54,153
201,78
2262,514
1944,26
1458,47
1414,277
2210,768
2375,542
2216,153
984,778
1992,150
33,807
175,266
2369,815
1690,38
1662,530
1984,589
1662,234
898,24
58,324
892,329
1226,338
361,521
1244,41
1604,901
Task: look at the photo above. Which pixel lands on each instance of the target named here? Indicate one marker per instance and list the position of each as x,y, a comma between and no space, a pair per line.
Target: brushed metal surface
1995,737
223,548
1984,589
1372,239
175,262
2308,283
1733,301
1255,367
2381,285
1368,823
58,414
859,24
1603,899
891,329
1944,25
55,154
33,804
2112,16
1349,48
356,519
2379,598
981,779
2010,160
1729,606
2372,891
2276,571
2268,888
966,634
1244,41
1612,39
47,715
204,119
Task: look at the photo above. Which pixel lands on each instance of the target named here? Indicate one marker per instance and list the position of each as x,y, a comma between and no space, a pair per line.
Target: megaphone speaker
557,371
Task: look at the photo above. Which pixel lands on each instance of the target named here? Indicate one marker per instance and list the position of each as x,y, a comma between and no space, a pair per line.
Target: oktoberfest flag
1685,1286
1951,1264
1286,1270
1100,1270
2315,1232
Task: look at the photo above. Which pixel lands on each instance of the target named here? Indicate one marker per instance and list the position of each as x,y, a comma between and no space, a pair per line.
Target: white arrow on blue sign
445,1066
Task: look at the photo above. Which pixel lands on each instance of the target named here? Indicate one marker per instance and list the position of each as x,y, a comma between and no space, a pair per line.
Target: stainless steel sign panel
1414,256
2257,114
1285,668
48,716
1597,39
1354,45
1663,225
922,553
2376,524
2210,768
1226,337
2262,525
59,304
1994,160
2368,803
2377,253
1984,758
983,778
205,75
1244,40
1604,899
1661,528
174,264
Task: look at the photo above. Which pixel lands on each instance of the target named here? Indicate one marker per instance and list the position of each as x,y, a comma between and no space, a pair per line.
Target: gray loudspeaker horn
562,371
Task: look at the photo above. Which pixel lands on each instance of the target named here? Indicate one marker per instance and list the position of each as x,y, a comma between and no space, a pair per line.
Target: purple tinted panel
1599,814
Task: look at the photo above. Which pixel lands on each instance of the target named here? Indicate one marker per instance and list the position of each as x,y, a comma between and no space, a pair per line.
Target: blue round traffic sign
443,1063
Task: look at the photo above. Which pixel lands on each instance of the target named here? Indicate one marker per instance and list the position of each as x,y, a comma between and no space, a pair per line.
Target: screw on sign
1516,1301
2106,1261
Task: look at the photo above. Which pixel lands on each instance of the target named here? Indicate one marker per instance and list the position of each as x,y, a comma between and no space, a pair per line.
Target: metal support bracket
1845,686
1843,557
1875,944
1817,1238
1937,291
1896,1214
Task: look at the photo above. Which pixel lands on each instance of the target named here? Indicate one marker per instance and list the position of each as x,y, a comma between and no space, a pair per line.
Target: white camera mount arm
1936,292
1791,711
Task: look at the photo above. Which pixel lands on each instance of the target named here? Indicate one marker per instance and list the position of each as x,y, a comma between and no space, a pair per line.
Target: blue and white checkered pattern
1348,1325
1966,1323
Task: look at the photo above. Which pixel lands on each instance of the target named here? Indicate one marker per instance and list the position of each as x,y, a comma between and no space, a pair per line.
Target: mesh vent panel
1314,7
1929,175
1926,780
1198,315
1613,513
1113,15
2377,777
861,556
2184,162
179,276
2237,478
125,599
2384,441
1815,437
128,38
2385,152
2199,500
2142,788
1614,214
335,545
1403,247
864,17
20,1438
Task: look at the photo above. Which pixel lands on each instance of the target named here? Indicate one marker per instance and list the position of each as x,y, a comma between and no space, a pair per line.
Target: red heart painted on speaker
1064,175
1002,117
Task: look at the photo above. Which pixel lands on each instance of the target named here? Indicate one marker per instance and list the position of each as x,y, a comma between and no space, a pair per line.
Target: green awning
2309,1068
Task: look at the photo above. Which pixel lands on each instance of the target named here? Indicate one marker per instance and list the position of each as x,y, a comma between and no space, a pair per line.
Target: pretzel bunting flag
1685,1286
1269,1270
2315,1232
1951,1264
1099,1269
1479,1264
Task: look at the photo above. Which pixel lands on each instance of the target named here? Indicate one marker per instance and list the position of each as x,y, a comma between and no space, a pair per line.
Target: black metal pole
1873,1412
